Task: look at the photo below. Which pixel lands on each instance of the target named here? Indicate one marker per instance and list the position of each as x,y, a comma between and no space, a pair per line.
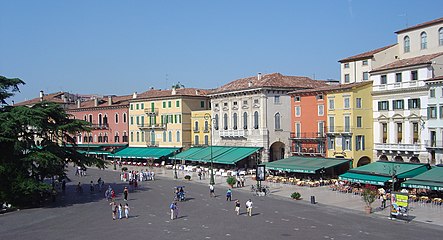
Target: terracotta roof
425,24
52,97
365,55
330,88
424,59
273,80
103,102
156,93
435,79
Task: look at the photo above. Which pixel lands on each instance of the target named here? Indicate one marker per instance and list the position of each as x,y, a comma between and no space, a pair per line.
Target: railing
99,126
152,126
398,147
307,135
433,144
339,130
151,112
233,133
152,144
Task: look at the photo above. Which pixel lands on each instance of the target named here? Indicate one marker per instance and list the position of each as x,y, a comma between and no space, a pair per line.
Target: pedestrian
243,180
238,181
114,209
63,185
120,209
125,194
237,207
173,208
249,207
127,211
79,187
112,195
229,195
152,176
211,190
383,201
200,175
91,187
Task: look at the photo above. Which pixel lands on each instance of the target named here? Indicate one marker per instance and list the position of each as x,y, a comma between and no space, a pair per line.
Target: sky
120,47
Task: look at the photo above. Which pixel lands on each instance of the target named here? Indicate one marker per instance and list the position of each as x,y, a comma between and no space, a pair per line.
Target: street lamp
392,172
208,117
175,165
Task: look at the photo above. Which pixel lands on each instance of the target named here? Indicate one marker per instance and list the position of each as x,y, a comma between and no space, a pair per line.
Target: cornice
399,90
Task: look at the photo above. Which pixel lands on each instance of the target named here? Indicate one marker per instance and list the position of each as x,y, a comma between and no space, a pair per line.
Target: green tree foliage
7,87
34,146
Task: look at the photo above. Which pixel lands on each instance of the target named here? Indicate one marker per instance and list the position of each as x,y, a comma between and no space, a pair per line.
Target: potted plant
188,177
296,195
369,194
231,181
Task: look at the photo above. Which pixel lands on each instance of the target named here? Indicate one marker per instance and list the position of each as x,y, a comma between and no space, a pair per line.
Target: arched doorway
414,160
383,158
363,161
277,151
398,159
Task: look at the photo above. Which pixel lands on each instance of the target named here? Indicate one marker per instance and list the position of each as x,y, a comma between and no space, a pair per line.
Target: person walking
91,187
237,207
211,190
127,209
120,209
229,195
114,209
125,194
383,201
249,207
173,208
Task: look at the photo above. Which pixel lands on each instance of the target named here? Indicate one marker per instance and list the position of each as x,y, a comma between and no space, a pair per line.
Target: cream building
201,128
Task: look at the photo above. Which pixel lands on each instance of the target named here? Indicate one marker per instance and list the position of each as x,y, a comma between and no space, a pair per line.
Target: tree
7,87
34,146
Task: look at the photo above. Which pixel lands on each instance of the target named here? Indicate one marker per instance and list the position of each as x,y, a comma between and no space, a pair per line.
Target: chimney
95,102
259,76
173,92
109,100
78,103
64,98
134,95
197,92
250,84
41,95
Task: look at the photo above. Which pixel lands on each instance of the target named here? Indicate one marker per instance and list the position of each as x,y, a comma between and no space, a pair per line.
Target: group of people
118,210
248,206
80,171
240,181
143,175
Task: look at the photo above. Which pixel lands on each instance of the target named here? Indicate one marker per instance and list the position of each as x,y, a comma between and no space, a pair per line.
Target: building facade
201,128
434,144
254,112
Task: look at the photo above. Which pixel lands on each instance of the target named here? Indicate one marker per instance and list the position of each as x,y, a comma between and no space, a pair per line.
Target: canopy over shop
381,172
321,167
431,180
144,153
238,156
99,150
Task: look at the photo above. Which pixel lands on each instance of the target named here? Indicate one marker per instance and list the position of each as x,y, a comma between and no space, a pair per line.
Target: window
100,138
277,100
132,120
277,121
296,98
358,103
178,136
331,104
365,75
196,126
235,103
142,106
321,110
440,37
245,102
347,124
177,103
235,121
170,136
397,104
415,132
100,120
359,121
297,130
124,117
398,77
346,103
245,120
164,136
132,136
225,121
441,112
383,79
206,140
414,75
347,80
90,117
136,106
331,143
116,138
383,105
216,105
359,142
432,112
331,124
424,40
142,136
364,62
225,104
138,120
256,101
196,140
138,136
116,118
346,143
202,104
406,44
164,104
346,65
206,129
321,128
132,106
169,104
399,132
431,93
414,103
125,137
297,111
319,97
256,120
216,122
384,128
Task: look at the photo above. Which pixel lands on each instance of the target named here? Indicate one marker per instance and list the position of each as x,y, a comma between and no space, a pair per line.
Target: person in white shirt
249,207
211,191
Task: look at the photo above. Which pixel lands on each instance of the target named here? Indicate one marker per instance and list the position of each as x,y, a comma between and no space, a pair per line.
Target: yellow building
162,118
349,122
201,128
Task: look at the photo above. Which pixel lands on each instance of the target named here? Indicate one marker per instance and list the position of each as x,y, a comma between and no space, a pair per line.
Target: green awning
144,152
365,178
97,152
85,145
218,154
432,180
304,164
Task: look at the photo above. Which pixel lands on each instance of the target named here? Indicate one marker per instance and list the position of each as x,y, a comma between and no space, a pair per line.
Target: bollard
313,200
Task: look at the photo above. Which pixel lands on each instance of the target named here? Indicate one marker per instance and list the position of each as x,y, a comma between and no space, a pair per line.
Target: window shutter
409,103
362,142
379,106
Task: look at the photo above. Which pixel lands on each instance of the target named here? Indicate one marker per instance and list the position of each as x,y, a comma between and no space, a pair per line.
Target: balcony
239,133
308,151
398,147
308,135
434,144
152,144
196,130
103,126
151,111
152,126
339,130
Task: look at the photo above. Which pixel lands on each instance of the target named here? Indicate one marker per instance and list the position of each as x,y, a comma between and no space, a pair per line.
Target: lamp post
393,172
208,117
175,165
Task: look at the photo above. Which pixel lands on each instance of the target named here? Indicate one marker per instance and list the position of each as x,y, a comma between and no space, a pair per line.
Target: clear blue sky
119,47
